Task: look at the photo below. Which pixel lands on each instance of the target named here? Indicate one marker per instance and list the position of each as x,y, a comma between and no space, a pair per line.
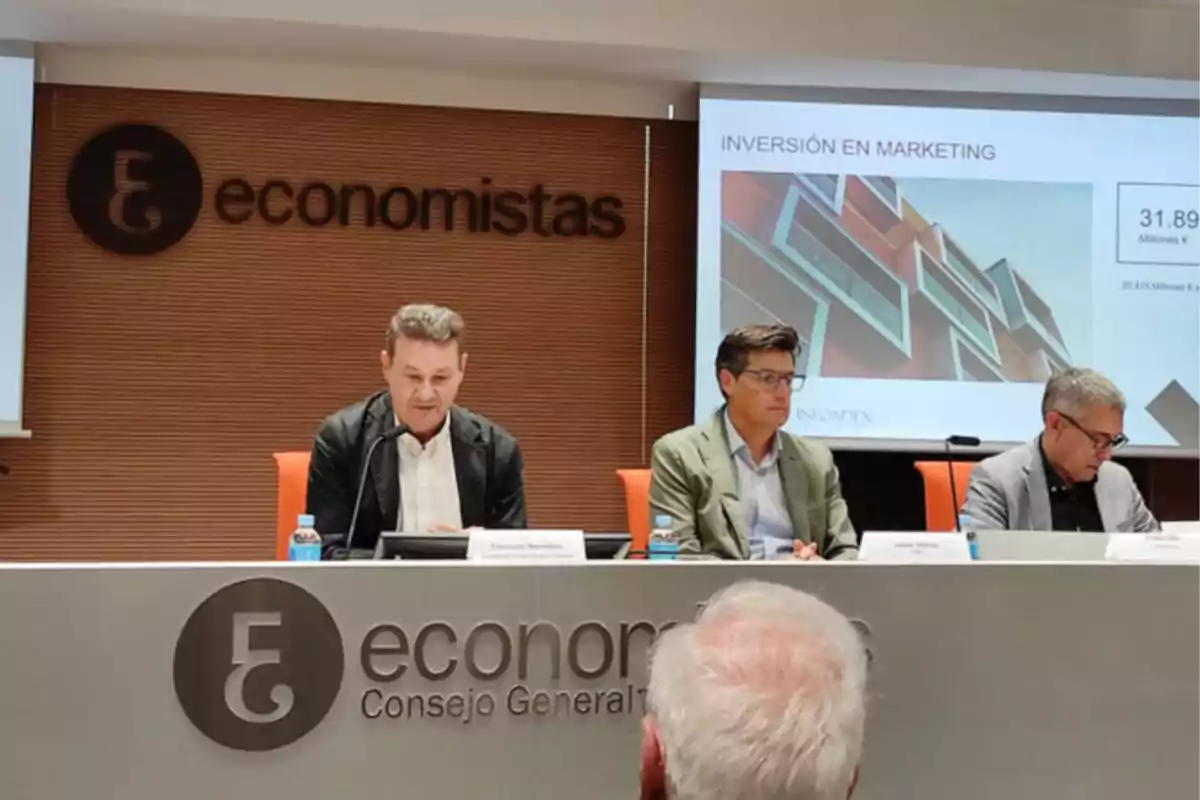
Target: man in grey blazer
1064,480
736,486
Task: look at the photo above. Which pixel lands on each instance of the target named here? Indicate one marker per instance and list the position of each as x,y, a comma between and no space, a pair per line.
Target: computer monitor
453,546
604,546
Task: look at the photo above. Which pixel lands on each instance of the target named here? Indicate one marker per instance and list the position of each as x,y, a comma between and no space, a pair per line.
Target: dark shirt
1072,507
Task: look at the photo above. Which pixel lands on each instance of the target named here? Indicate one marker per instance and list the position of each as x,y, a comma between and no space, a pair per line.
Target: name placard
526,547
914,547
1160,547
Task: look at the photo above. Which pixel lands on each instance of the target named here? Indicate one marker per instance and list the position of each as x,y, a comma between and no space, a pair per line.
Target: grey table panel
990,681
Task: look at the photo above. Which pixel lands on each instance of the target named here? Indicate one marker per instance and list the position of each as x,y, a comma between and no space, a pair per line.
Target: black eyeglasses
770,379
1101,441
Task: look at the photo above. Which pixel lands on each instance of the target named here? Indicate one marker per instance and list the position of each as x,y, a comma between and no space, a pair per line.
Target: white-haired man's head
1084,417
763,697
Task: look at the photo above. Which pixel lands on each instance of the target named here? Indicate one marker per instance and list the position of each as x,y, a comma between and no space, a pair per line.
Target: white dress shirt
428,483
760,494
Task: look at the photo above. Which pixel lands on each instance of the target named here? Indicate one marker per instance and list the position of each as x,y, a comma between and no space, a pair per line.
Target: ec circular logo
258,664
134,189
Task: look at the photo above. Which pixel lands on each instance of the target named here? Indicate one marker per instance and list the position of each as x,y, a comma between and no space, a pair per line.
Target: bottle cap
305,521
662,521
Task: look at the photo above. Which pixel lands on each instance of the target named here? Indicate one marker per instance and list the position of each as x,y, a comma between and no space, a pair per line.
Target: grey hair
763,697
426,323
1074,390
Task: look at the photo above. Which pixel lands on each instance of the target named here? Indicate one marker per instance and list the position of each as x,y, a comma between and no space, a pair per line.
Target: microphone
388,435
956,441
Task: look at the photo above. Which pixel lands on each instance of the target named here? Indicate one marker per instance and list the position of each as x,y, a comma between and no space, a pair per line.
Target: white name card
914,547
1184,526
526,547
1160,547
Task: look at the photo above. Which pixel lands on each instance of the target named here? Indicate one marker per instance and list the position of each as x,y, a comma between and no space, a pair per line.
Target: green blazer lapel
719,463
794,474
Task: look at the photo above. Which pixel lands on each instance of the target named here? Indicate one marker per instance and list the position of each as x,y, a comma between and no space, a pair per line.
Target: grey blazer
1009,492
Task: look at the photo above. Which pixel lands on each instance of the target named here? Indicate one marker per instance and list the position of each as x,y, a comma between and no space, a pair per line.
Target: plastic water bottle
305,543
663,545
964,525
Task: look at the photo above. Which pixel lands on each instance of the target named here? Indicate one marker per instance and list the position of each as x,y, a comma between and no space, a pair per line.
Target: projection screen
942,254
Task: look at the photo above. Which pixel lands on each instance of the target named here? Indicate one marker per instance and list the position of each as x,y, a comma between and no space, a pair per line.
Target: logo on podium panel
135,189
258,664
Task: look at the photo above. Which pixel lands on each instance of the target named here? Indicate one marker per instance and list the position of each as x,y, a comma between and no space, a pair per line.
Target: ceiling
744,41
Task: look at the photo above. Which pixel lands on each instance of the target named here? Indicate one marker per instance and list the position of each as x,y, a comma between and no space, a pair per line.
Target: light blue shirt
760,493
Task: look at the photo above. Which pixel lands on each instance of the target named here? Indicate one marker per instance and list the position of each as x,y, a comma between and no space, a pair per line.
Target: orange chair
939,516
292,491
637,506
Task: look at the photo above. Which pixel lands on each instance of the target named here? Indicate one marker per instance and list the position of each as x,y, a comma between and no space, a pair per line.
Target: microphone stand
958,441
393,433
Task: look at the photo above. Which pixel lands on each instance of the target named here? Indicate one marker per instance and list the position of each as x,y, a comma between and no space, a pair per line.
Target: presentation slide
16,133
940,263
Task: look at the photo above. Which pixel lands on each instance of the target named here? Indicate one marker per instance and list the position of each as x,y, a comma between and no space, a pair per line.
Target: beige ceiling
748,41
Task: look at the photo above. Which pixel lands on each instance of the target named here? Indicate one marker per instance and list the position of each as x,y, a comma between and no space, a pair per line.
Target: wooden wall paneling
157,387
672,278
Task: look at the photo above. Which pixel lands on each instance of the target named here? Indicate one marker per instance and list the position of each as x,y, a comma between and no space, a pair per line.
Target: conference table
989,681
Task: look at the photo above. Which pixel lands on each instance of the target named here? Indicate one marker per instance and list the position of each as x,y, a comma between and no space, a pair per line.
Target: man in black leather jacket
454,470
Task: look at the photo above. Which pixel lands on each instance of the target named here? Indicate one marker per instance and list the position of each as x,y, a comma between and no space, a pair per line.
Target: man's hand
805,552
441,527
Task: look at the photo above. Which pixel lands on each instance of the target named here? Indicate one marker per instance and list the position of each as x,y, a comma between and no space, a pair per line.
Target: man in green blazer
736,486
